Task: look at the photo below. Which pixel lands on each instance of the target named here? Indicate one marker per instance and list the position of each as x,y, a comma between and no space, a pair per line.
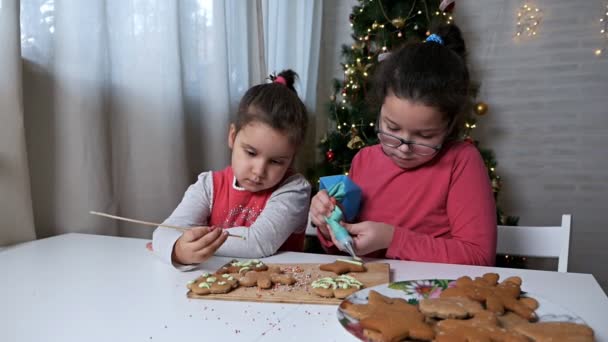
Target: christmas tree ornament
355,143
398,22
481,108
330,155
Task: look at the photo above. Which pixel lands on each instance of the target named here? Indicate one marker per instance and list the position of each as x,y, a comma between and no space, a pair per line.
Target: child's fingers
195,233
211,248
319,210
353,228
207,239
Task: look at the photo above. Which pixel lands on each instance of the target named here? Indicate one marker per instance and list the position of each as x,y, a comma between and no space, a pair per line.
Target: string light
528,20
604,32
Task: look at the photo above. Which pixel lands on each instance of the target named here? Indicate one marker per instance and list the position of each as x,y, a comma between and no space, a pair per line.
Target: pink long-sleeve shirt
443,211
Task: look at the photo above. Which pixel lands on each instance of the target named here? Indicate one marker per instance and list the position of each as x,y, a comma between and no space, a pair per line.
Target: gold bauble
398,22
355,143
481,108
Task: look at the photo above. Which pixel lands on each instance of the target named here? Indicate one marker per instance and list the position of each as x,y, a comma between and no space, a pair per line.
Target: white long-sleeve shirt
285,213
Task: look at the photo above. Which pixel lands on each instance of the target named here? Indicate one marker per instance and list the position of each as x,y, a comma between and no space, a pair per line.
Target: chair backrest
547,242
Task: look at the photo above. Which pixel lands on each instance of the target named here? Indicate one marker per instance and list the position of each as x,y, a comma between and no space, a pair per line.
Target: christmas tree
378,27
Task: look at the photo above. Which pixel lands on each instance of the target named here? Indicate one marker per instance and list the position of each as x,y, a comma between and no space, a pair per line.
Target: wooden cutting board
301,292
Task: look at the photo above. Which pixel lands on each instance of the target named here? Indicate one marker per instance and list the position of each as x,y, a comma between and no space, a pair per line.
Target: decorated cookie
236,266
451,307
212,283
265,279
339,287
342,266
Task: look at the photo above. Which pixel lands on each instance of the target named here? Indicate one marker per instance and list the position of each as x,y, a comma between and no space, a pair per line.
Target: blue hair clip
435,39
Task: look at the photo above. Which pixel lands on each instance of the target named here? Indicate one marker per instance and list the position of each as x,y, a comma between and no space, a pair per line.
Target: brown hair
276,104
431,73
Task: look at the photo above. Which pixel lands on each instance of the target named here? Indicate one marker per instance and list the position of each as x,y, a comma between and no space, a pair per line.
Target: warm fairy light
365,74
371,124
353,125
528,20
603,31
399,34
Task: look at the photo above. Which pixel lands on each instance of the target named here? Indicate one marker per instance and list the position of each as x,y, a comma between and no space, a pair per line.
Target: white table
79,287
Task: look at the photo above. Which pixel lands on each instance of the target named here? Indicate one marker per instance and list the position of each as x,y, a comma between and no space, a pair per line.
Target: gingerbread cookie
451,307
482,327
342,266
339,287
496,297
391,319
556,331
265,279
236,266
212,283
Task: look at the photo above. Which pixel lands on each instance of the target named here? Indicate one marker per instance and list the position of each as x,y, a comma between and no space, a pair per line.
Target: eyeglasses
394,142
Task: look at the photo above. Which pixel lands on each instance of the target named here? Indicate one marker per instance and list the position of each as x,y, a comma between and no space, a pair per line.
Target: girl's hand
370,236
198,244
321,207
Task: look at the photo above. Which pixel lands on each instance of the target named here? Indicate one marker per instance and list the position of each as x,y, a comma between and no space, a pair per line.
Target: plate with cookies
466,309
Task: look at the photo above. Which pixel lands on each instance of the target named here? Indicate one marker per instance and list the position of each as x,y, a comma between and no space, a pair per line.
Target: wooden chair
547,242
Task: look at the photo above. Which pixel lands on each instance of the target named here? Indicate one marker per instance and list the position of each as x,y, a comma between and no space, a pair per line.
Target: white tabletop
79,287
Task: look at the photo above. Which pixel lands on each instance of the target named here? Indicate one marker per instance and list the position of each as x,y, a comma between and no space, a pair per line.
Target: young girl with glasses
259,196
426,195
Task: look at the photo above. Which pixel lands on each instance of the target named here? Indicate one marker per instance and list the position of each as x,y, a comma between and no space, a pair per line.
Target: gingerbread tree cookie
342,266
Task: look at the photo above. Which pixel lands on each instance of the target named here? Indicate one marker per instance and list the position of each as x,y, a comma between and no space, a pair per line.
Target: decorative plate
415,290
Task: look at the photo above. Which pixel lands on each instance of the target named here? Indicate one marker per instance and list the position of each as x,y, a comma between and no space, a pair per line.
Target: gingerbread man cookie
342,266
236,266
339,287
496,297
212,283
265,279
452,307
482,327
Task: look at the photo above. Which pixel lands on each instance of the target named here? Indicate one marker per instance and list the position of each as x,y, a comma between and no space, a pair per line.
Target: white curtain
16,220
124,103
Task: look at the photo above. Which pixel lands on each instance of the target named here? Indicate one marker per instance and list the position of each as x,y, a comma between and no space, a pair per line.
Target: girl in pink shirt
258,196
426,196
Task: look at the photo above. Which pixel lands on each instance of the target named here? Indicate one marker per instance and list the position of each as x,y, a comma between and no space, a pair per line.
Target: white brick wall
548,117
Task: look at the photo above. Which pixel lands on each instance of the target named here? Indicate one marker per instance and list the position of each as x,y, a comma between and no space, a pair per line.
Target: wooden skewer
146,223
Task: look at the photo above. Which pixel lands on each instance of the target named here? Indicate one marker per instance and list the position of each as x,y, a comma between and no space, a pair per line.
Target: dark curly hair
430,73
